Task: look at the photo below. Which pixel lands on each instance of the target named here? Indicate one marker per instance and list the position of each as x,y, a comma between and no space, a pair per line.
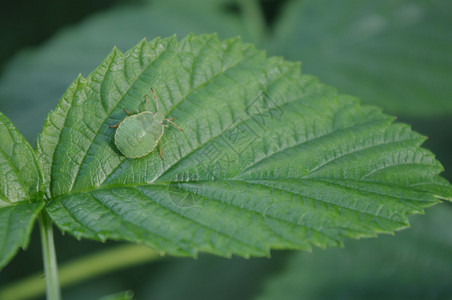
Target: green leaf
415,264
268,158
20,190
394,54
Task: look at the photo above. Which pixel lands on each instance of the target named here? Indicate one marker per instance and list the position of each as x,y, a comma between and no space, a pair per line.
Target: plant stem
49,257
82,269
253,18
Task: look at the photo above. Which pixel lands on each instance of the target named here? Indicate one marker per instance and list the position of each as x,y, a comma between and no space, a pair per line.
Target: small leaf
395,54
268,158
20,190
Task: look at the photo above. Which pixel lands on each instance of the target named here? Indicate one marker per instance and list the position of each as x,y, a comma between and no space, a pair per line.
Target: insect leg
160,151
174,124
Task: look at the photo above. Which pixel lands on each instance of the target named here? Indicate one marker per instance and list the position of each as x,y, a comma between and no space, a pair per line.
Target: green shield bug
139,134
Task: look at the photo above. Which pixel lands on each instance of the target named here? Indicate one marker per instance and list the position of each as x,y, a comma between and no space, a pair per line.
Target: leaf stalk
49,257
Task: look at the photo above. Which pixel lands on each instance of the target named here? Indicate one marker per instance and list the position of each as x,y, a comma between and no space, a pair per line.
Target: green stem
49,257
253,18
82,269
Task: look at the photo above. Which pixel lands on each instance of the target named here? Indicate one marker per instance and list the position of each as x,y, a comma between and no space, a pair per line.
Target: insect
139,134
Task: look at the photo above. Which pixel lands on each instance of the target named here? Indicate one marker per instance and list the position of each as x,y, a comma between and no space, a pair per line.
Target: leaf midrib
253,181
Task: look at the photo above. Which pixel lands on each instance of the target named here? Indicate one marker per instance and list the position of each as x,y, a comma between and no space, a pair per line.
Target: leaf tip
102,237
78,235
79,78
115,51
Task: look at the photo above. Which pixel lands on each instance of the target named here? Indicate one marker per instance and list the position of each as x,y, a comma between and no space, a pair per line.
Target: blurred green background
392,53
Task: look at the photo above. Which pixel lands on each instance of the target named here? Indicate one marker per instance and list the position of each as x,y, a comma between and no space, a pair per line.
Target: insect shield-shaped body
139,134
